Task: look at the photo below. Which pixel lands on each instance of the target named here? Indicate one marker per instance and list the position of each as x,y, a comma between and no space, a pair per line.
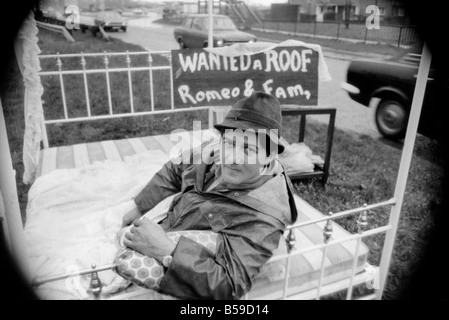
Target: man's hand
129,217
149,238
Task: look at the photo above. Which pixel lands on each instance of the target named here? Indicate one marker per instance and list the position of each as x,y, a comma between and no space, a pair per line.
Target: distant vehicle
50,15
393,81
111,21
194,32
138,12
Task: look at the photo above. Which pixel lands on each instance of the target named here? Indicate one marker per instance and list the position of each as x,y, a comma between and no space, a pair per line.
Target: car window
198,24
187,22
219,23
224,23
112,15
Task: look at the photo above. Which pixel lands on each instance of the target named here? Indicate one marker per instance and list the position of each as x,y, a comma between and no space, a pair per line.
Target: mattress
305,268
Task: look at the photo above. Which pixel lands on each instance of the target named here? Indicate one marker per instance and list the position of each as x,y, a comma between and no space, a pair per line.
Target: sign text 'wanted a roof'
201,78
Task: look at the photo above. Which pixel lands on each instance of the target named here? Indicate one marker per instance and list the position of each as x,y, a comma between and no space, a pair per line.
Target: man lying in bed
244,197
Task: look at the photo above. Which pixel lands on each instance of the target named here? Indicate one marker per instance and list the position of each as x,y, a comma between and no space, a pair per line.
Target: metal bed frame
10,214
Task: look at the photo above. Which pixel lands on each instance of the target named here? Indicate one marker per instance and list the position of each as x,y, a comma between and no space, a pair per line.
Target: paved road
151,36
350,115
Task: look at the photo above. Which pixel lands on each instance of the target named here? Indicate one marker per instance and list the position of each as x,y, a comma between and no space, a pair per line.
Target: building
392,11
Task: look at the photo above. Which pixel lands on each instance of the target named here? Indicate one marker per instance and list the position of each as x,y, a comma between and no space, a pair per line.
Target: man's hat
258,111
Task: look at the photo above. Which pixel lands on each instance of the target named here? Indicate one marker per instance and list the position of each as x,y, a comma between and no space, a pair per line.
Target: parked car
194,32
111,21
392,82
50,15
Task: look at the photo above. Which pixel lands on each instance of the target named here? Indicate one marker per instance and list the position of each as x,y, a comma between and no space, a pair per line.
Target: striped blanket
80,155
297,158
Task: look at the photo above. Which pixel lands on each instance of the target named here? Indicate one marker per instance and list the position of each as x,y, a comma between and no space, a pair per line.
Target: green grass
98,94
363,170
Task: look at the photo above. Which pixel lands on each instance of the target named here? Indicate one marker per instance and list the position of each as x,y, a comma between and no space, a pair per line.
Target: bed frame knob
95,283
362,221
328,229
291,240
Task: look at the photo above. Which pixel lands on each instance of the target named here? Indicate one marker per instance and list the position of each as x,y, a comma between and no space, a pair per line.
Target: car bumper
231,42
350,88
114,25
356,94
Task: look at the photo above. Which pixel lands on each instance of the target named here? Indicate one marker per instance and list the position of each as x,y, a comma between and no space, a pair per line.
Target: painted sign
201,78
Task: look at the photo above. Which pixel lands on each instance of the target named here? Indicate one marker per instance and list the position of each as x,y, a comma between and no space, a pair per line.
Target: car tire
392,118
124,29
95,30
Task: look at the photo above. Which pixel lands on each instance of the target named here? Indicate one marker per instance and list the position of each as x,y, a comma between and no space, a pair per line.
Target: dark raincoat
249,224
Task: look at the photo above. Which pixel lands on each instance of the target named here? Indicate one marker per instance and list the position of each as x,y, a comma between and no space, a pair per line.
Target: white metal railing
106,70
362,224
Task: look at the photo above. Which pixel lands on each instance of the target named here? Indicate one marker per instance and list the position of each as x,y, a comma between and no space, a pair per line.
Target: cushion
148,272
298,158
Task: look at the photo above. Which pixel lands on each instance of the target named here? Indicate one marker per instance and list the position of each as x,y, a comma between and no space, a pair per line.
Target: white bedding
73,216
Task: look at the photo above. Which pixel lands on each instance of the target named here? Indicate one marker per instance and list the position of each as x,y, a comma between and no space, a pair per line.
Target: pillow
298,158
148,272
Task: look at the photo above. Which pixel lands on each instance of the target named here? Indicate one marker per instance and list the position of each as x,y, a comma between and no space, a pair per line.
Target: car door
99,19
198,33
431,122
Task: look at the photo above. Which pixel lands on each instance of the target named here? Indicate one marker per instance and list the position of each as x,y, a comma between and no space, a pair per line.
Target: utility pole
347,13
210,38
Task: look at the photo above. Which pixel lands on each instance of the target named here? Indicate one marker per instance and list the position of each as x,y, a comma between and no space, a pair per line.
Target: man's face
243,156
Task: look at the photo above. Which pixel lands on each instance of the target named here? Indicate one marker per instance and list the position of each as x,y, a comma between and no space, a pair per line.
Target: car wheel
94,31
392,118
124,29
